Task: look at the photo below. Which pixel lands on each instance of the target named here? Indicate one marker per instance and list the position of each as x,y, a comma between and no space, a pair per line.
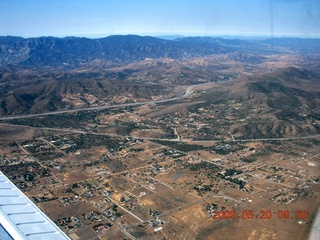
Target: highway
185,95
88,109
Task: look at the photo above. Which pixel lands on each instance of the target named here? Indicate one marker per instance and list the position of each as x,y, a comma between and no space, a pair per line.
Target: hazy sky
99,18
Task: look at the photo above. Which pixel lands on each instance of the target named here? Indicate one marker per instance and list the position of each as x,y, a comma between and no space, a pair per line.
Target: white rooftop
21,219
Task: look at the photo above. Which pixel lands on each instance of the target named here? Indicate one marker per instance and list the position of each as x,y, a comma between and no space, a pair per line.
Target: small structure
158,229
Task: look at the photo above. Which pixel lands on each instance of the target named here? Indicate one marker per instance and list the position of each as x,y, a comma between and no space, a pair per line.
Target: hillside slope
284,103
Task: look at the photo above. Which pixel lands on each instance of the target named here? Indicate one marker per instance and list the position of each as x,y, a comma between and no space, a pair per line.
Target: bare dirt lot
10,133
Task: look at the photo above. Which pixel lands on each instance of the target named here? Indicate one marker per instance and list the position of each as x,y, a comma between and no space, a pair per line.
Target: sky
101,18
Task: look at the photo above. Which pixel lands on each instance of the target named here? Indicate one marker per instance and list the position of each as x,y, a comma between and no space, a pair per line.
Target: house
158,229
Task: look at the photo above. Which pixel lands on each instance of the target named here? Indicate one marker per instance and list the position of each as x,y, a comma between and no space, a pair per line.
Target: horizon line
173,36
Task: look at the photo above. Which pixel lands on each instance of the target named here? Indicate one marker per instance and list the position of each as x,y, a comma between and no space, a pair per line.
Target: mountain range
75,51
48,74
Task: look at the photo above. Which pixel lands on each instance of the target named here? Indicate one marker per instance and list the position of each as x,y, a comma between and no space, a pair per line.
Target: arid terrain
221,145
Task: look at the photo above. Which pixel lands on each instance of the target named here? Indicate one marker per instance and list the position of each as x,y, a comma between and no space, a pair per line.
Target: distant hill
302,44
278,104
75,51
47,73
50,51
37,93
283,103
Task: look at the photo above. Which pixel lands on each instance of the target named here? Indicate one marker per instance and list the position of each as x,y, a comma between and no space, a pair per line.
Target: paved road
88,109
188,141
276,139
186,94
